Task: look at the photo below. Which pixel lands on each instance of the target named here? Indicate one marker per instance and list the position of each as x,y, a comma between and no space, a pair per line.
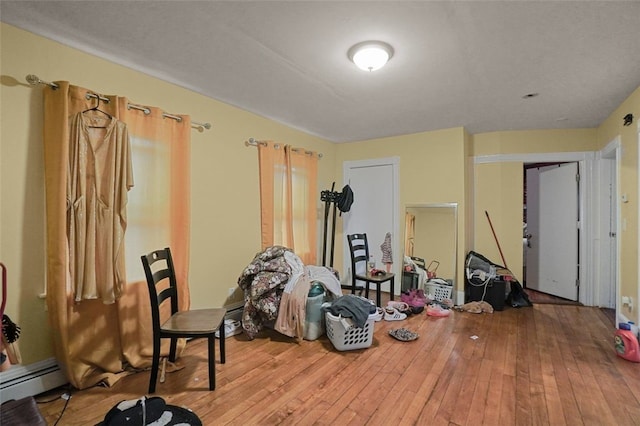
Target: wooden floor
545,365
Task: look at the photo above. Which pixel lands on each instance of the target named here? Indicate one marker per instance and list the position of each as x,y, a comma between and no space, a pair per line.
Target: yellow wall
534,141
432,170
225,227
498,189
608,131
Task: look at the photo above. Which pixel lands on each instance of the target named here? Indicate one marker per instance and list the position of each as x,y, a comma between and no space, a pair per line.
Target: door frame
613,150
588,209
394,162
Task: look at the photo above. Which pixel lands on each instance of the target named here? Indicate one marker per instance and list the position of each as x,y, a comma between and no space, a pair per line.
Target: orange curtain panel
91,173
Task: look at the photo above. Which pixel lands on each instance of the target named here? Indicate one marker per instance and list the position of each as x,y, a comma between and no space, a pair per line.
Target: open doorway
551,231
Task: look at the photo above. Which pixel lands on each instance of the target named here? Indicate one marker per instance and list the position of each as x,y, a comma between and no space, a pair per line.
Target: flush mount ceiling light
370,55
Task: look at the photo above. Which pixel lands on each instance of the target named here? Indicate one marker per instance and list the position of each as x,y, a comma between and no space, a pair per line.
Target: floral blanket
263,282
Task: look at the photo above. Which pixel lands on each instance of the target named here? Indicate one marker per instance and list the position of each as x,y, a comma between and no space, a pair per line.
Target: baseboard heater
234,311
29,380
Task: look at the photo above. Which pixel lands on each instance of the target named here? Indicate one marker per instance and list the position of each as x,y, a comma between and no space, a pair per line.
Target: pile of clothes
275,285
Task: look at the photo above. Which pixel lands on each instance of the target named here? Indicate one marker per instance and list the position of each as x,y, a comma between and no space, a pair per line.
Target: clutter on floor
475,307
276,285
403,334
626,342
492,283
306,302
149,411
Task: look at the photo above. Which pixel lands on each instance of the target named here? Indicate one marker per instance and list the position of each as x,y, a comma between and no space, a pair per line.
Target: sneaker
437,311
231,328
379,315
392,314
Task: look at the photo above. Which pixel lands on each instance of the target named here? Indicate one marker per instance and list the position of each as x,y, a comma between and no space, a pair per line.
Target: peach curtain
94,341
288,198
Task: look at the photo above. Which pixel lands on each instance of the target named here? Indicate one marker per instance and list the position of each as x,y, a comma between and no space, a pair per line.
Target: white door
554,244
374,210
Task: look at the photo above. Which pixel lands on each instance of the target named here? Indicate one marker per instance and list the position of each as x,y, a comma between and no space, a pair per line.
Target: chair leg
173,349
155,365
222,343
392,289
366,291
378,296
212,361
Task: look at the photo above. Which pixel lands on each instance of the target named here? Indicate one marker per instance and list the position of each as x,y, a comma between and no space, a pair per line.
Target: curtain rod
253,142
34,80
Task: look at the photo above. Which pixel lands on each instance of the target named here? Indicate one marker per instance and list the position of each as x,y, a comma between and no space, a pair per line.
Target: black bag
145,411
518,297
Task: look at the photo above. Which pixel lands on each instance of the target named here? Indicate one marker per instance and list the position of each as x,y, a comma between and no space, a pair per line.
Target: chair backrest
158,268
359,251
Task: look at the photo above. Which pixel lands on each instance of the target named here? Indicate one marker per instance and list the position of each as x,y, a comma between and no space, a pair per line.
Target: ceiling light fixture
370,55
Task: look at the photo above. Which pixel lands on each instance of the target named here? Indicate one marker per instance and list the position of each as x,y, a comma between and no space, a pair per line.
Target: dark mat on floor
544,298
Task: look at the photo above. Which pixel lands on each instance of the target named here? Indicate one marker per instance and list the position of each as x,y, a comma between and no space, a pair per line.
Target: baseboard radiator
30,380
234,311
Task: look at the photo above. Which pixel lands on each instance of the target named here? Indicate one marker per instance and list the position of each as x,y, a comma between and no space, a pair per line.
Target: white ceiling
455,63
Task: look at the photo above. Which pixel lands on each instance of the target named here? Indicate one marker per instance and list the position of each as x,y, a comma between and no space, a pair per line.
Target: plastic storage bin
355,338
495,294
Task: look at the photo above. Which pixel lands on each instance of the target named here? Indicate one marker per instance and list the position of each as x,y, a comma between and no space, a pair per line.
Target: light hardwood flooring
545,365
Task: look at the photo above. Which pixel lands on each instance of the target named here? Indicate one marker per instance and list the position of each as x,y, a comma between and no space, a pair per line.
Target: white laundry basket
353,338
438,291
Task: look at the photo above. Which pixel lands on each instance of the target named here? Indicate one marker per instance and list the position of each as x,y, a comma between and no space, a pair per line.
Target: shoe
408,297
437,311
448,303
401,307
392,314
417,309
411,298
379,315
231,328
403,334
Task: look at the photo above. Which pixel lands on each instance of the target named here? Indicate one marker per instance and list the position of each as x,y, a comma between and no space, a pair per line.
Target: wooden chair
193,323
359,250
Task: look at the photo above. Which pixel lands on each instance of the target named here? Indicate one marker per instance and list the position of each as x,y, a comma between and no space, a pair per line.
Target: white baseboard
29,380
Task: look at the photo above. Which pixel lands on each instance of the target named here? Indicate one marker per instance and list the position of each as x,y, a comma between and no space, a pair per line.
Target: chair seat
197,322
375,278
